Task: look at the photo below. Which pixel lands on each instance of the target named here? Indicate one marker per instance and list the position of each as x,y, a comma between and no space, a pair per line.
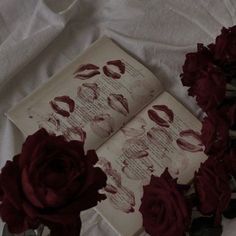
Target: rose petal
15,218
29,145
11,183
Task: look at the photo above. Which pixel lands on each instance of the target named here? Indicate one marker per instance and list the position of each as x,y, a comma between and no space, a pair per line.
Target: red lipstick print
123,199
112,173
191,133
159,136
157,119
86,71
167,110
186,145
88,92
135,148
54,121
111,189
119,64
75,133
64,99
136,170
183,144
119,103
111,73
102,125
154,116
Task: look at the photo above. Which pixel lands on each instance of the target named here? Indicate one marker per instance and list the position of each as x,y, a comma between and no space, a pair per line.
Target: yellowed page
162,135
91,98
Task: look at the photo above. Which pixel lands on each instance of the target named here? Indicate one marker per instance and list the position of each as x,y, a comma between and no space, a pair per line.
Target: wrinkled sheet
38,37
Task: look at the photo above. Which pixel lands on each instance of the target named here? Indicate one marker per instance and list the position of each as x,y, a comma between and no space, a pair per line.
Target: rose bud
49,183
212,188
164,209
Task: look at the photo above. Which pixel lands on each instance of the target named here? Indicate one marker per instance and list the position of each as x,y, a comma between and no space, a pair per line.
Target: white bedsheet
38,37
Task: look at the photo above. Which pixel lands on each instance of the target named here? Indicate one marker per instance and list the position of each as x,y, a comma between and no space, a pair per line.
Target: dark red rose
215,134
194,63
224,49
210,88
212,187
50,182
163,207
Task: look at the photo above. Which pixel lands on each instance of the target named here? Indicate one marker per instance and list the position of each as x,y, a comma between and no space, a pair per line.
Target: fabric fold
45,25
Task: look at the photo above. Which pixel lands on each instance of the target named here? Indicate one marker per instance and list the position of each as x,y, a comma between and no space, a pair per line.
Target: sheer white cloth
38,37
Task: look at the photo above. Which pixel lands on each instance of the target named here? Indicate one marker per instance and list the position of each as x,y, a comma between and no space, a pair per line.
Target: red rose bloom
163,207
210,88
215,134
50,182
224,48
212,188
195,62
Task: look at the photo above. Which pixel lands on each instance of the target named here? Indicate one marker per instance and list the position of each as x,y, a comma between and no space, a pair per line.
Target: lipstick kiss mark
111,189
131,130
119,103
88,92
189,136
102,125
63,99
135,148
119,64
75,133
155,116
167,111
159,137
191,133
111,73
54,121
123,199
86,71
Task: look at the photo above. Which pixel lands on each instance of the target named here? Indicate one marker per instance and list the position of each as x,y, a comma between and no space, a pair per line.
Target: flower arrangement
52,180
210,75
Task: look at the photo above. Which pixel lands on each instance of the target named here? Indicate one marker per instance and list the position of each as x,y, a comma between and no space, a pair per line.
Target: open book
118,107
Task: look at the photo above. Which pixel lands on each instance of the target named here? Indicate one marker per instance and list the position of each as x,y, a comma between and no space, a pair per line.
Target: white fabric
38,37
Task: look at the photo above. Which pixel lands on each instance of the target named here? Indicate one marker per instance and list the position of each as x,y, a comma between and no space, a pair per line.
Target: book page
91,98
164,134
